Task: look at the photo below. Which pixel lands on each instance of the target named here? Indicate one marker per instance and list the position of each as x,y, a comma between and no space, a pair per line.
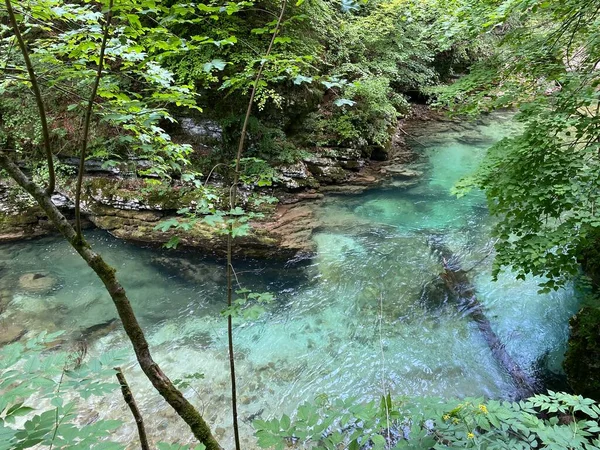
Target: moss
582,360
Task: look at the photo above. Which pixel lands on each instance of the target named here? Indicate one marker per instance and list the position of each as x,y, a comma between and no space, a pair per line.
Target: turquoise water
360,318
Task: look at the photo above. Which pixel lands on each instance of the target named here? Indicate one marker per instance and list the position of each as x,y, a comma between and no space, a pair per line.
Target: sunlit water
354,321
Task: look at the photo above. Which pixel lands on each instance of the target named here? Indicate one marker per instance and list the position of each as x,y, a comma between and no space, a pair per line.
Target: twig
88,117
384,389
232,202
128,397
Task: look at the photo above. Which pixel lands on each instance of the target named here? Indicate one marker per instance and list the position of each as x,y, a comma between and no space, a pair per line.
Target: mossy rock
582,360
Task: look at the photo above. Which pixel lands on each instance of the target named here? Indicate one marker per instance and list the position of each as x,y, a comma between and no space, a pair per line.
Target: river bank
130,206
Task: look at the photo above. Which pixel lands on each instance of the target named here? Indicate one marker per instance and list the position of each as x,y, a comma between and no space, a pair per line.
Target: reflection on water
368,287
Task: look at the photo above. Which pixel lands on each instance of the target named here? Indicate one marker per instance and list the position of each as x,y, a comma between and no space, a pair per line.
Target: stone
38,283
326,170
296,176
202,130
10,332
401,171
352,164
298,170
473,138
345,189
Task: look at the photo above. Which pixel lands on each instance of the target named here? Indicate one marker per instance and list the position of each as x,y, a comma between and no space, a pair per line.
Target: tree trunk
457,282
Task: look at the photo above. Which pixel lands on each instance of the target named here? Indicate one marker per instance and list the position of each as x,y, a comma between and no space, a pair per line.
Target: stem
38,97
87,120
56,423
232,202
134,331
128,396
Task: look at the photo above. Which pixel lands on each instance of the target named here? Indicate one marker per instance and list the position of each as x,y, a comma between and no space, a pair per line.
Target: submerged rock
95,332
39,283
193,271
10,332
474,138
5,299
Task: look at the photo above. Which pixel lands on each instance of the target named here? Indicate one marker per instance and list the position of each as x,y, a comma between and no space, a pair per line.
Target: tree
543,182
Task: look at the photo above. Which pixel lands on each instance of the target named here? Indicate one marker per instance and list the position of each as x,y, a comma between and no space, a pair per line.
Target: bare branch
134,331
128,397
232,202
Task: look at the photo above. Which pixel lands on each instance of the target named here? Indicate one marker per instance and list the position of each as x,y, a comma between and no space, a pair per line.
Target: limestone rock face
293,226
326,170
401,171
296,176
20,218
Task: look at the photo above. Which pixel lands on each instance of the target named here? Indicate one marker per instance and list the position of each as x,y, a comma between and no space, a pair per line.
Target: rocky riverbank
131,207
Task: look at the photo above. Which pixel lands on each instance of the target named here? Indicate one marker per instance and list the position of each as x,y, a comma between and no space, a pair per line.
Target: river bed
359,318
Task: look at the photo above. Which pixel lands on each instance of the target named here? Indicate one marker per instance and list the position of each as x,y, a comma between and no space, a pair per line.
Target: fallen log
459,286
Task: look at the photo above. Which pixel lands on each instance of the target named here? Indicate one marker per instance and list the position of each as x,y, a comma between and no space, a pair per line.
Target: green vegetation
311,74
555,421
542,183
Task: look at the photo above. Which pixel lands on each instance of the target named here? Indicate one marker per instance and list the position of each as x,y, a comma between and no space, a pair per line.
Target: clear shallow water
366,294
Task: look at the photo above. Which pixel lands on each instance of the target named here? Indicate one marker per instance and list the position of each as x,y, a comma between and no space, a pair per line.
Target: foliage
581,358
542,183
367,120
556,421
40,389
250,305
132,97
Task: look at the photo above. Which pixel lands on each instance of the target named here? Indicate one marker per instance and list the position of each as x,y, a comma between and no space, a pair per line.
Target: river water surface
361,317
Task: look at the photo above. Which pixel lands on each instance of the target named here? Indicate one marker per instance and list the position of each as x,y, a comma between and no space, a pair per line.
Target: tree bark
106,273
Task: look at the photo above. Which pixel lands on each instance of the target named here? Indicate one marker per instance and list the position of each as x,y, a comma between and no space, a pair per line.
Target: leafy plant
553,421
40,391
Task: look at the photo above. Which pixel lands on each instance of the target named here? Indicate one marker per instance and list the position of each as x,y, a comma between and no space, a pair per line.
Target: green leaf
344,102
214,64
166,225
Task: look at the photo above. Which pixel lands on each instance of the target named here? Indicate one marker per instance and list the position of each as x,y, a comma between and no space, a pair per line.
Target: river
363,316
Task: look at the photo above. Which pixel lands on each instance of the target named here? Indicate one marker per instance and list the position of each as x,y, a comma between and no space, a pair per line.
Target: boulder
35,282
474,138
10,332
401,171
296,176
326,170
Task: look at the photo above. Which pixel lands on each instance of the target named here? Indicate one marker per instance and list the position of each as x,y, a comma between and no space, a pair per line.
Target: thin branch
88,117
38,97
128,397
232,202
